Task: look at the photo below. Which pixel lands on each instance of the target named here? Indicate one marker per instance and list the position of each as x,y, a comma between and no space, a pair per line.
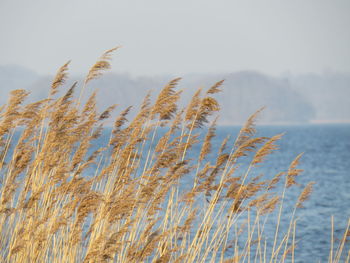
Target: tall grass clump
62,199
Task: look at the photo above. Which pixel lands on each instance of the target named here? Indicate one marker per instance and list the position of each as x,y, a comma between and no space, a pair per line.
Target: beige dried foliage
101,65
12,114
246,147
166,103
293,171
305,194
270,205
216,87
207,107
59,79
275,180
62,199
248,130
266,149
193,106
206,147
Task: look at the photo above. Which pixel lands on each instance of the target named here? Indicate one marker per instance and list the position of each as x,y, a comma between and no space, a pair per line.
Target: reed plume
101,65
59,79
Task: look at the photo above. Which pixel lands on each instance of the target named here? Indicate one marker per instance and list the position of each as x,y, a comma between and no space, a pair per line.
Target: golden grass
134,208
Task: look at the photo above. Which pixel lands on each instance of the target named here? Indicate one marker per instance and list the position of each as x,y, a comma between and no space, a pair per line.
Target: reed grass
134,207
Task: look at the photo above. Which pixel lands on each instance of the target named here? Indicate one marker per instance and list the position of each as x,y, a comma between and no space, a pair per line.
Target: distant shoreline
312,122
261,124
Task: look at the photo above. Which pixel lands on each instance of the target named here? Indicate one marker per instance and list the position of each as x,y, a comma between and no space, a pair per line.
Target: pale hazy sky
178,37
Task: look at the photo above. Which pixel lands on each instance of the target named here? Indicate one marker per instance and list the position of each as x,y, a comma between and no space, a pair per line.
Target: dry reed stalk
342,242
332,240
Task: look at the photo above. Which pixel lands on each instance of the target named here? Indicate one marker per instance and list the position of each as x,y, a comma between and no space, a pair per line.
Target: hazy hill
329,94
245,92
15,77
288,99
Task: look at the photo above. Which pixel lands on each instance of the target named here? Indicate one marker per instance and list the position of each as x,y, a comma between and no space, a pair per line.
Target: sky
177,37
